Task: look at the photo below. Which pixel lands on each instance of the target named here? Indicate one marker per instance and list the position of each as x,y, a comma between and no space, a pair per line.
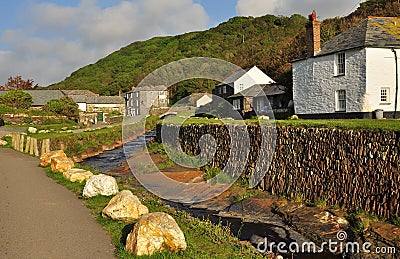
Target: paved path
42,219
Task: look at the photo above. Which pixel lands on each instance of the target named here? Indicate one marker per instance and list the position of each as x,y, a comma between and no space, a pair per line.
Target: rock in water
77,175
100,185
155,232
125,207
45,158
61,164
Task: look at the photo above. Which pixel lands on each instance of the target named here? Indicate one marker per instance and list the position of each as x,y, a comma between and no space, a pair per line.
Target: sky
46,40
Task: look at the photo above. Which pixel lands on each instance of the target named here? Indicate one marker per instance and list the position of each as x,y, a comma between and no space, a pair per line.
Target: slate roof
371,32
255,90
79,92
41,97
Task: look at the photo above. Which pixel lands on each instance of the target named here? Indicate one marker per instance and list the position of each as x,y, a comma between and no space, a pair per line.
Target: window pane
384,94
341,63
341,100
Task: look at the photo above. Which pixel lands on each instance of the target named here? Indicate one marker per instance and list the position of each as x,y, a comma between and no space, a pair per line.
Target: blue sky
46,40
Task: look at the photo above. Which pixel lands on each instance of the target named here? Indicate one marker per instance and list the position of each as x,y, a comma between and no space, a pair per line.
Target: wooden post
31,147
21,143
14,137
28,144
35,147
47,146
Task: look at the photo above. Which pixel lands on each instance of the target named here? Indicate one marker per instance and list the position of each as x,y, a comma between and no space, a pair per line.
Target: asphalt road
42,219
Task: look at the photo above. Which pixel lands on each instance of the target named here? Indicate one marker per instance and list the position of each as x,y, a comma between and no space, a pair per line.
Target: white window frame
385,95
236,104
341,100
340,64
224,89
241,87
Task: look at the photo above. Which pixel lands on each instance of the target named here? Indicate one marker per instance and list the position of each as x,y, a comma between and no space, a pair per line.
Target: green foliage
28,120
115,113
270,42
396,221
17,99
361,220
151,122
210,172
54,106
64,106
128,66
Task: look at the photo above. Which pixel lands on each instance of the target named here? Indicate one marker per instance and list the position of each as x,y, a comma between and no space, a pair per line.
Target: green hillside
269,42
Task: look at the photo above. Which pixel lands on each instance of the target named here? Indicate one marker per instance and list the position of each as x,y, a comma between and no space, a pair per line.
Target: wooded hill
269,42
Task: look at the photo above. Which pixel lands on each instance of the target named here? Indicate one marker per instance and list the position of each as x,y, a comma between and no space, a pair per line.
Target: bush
17,99
64,106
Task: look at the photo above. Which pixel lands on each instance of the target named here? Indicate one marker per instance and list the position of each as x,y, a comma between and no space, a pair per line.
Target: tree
18,83
17,99
64,106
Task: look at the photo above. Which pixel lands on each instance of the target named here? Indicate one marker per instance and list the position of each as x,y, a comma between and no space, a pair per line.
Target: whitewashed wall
315,83
82,106
206,99
252,77
381,72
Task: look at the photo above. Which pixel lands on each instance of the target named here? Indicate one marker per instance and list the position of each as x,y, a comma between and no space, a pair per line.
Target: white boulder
100,185
32,130
3,142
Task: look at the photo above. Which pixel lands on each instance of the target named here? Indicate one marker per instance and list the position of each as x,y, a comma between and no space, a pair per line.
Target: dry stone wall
356,169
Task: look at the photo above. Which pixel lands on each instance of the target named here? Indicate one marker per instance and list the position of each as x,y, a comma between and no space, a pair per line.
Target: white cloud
324,8
60,39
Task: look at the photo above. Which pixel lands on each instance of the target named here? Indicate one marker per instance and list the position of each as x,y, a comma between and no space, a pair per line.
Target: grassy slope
266,39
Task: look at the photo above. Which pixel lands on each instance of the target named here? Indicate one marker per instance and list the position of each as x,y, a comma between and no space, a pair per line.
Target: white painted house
242,80
351,75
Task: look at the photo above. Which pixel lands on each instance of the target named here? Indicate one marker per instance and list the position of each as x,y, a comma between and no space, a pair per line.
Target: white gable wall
82,106
252,77
206,99
381,72
315,83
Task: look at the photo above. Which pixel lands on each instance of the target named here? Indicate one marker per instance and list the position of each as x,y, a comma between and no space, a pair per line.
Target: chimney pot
313,35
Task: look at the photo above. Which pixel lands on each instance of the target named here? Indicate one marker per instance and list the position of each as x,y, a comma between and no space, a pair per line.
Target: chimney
313,35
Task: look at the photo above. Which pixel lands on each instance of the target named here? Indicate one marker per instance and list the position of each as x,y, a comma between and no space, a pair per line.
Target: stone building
140,100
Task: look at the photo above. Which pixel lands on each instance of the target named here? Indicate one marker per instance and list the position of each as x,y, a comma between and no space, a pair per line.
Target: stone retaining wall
356,169
22,119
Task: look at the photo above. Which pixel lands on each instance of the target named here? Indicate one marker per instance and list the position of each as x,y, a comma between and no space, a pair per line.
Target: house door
100,117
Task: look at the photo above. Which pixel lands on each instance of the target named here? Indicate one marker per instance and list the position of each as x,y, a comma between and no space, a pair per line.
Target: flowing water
113,158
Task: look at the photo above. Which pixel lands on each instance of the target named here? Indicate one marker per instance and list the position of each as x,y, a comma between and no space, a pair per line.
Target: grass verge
204,239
